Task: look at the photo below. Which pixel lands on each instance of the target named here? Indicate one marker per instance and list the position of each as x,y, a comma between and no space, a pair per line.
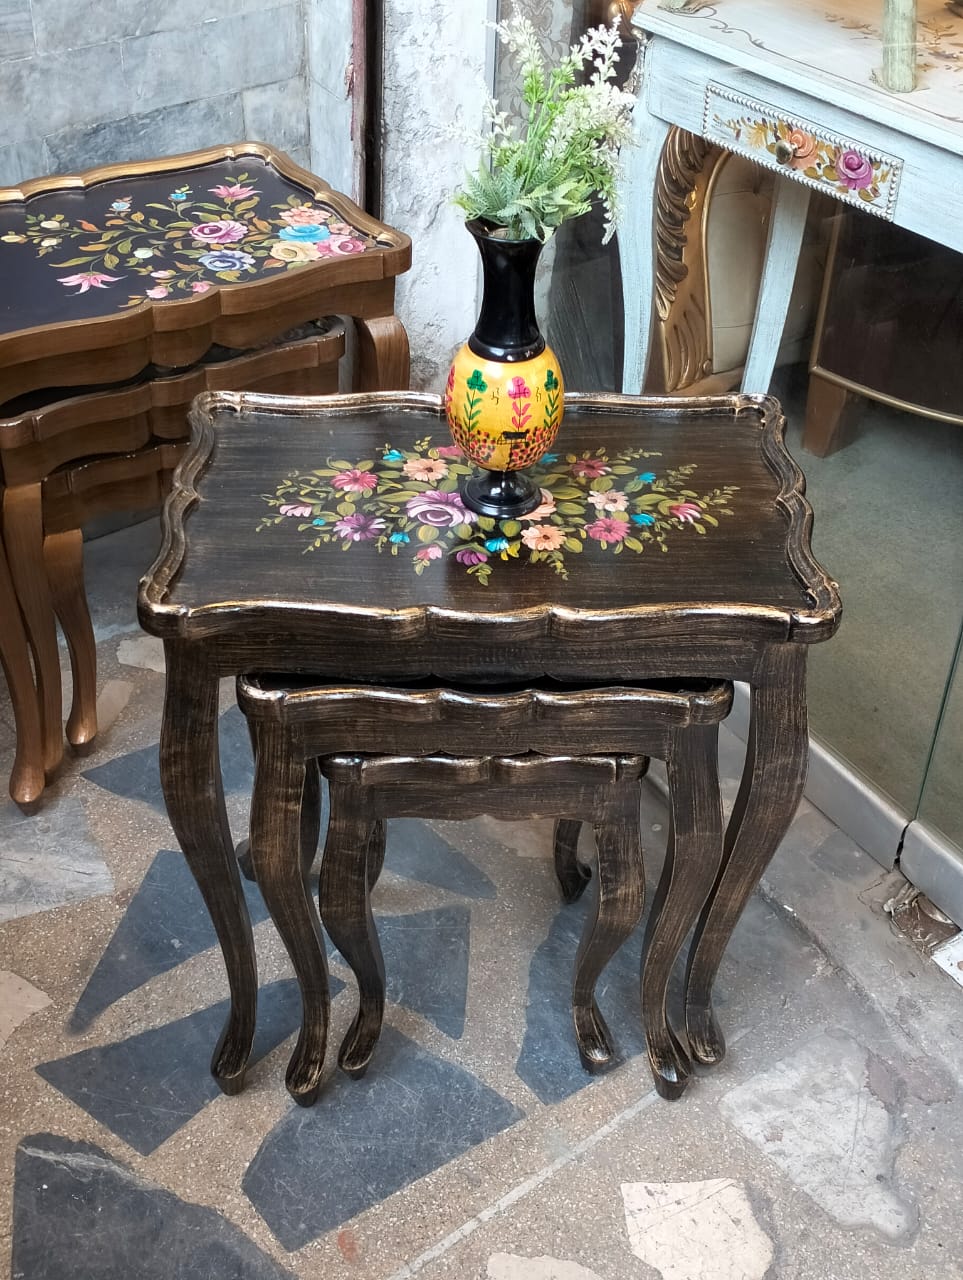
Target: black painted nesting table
326,537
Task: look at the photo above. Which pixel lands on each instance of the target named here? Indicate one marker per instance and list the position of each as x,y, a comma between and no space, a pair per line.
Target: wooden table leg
772,785
64,561
191,777
693,854
27,778
281,871
383,358
616,910
572,874
345,900
23,539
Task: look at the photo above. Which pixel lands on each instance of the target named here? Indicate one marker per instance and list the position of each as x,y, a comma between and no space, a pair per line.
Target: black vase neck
507,327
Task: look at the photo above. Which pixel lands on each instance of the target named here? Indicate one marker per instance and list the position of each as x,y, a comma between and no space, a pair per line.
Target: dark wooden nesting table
117,284
327,538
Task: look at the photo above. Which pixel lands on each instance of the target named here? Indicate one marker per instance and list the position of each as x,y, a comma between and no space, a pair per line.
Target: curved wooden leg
617,909
383,359
572,874
377,847
27,779
772,785
691,863
64,559
23,539
277,852
310,825
346,911
191,777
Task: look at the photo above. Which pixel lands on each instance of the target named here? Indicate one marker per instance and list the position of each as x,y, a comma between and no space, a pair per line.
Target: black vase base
503,495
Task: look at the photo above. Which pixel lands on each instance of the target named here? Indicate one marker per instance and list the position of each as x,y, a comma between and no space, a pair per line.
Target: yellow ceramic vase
504,395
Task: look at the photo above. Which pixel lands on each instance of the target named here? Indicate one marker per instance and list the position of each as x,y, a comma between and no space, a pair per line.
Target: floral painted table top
73,253
406,502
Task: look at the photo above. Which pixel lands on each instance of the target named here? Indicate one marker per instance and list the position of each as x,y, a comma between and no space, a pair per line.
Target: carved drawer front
841,167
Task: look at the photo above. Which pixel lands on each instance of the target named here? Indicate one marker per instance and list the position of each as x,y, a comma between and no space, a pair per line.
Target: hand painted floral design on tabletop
845,169
185,246
406,502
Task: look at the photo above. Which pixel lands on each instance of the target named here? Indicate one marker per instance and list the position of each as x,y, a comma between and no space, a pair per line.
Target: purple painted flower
471,555
854,170
225,231
226,260
441,510
359,528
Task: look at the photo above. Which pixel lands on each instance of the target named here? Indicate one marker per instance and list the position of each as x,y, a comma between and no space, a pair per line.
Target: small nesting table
128,289
326,538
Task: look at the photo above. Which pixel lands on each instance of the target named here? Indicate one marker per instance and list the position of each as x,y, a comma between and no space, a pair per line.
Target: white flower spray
535,176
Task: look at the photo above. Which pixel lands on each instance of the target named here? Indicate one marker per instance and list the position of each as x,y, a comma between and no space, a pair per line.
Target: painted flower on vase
854,170
224,231
89,280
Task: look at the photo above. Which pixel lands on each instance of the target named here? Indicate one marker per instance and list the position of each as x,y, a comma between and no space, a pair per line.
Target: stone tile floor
828,1145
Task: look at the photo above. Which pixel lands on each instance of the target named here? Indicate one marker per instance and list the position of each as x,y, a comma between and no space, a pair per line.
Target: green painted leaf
427,533
634,544
572,544
111,260
510,528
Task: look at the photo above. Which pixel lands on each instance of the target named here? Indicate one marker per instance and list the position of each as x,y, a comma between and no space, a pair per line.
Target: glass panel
942,802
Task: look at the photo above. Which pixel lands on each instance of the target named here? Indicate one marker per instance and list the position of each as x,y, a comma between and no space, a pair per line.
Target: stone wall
82,85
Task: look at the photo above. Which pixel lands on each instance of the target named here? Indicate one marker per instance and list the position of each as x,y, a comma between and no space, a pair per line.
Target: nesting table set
128,290
434,661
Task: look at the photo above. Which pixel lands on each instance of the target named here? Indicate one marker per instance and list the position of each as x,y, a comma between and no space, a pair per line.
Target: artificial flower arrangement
546,168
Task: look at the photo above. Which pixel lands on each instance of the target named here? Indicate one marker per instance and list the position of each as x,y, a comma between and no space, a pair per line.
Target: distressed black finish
741,603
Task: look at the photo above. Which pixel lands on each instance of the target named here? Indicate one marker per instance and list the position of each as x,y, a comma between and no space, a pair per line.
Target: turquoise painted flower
647,477
393,455
319,521
496,544
399,537
308,233
643,518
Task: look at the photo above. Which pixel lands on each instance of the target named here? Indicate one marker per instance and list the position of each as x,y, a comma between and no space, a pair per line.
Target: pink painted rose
89,280
340,229
158,291
608,529
449,450
424,554
804,149
543,537
355,481
427,469
440,510
200,286
295,509
222,232
233,192
854,170
162,275
346,244
687,512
